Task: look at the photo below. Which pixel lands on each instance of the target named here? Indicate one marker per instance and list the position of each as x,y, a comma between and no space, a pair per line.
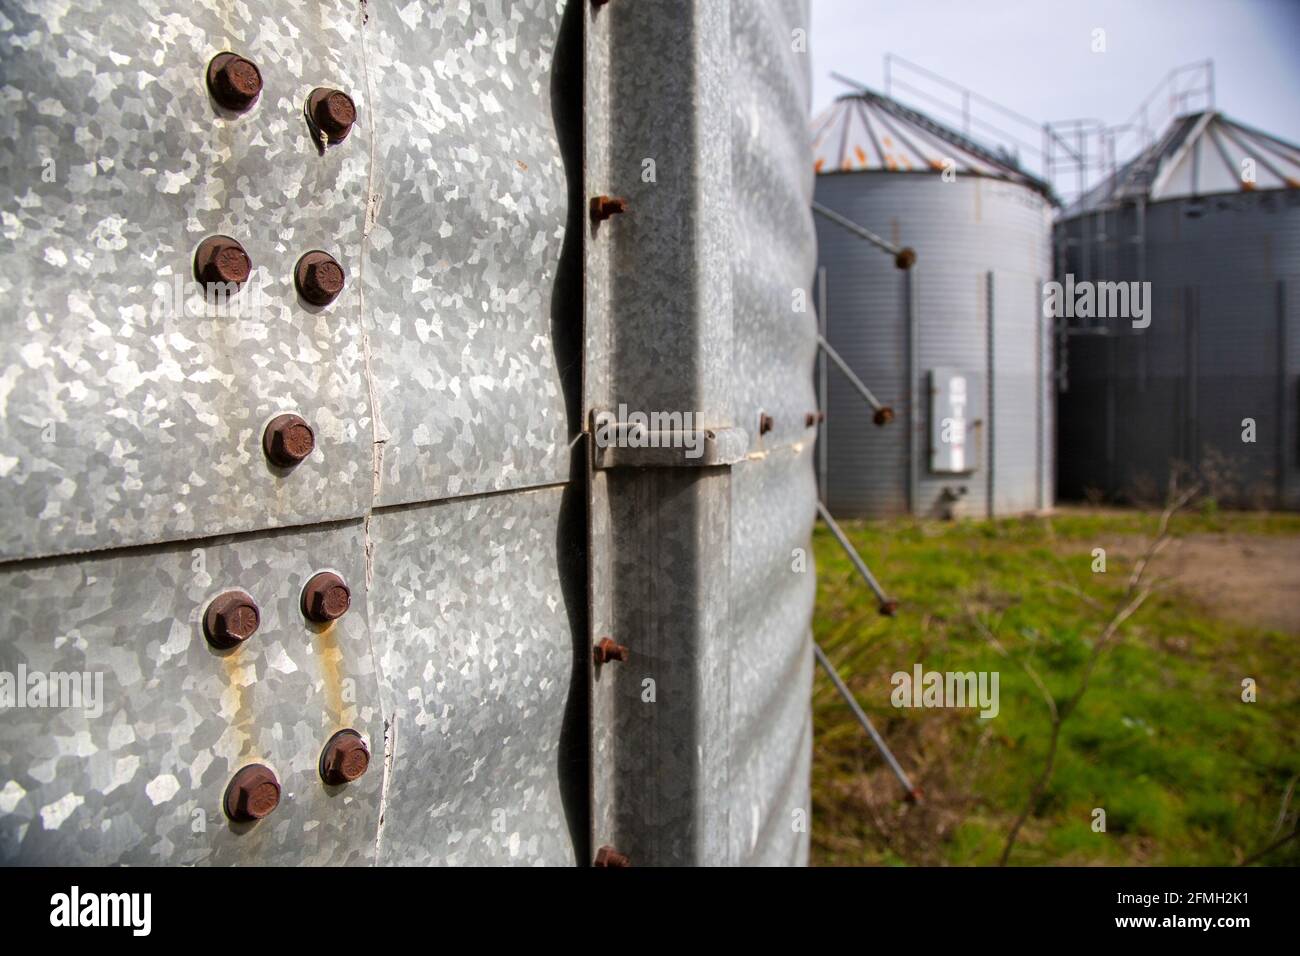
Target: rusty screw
319,277
253,793
884,415
221,259
234,82
608,856
606,650
325,598
812,418
231,618
288,440
765,424
906,258
602,207
332,112
344,759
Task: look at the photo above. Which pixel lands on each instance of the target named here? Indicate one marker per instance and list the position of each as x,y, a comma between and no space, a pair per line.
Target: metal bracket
623,444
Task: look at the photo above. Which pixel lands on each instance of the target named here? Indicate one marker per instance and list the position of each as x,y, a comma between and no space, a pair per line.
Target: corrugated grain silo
965,361
1209,216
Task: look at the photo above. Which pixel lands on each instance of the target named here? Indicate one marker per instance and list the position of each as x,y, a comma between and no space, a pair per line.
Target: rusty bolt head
765,424
233,81
602,207
231,618
319,277
288,440
884,415
608,856
344,759
252,794
332,112
221,259
325,598
906,258
606,650
888,608
813,418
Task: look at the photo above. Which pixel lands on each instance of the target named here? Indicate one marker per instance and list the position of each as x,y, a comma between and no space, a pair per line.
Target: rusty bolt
608,856
812,418
606,650
602,207
906,258
765,424
319,277
221,259
332,112
888,608
231,618
344,759
234,82
325,598
288,439
253,793
884,415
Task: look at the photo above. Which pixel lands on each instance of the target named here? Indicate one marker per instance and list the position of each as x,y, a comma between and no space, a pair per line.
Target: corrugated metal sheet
1220,349
451,387
962,231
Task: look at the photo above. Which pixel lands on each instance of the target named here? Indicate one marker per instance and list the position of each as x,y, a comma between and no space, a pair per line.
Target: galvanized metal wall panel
961,231
142,783
1018,392
461,258
123,422
479,619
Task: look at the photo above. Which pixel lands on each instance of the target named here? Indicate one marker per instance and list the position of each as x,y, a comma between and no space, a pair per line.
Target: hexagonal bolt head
319,277
884,415
602,207
252,794
344,759
231,618
332,112
608,856
606,650
235,83
325,598
221,259
288,440
906,258
765,424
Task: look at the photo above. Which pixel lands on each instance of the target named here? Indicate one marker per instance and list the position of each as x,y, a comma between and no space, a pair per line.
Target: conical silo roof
1200,154
865,131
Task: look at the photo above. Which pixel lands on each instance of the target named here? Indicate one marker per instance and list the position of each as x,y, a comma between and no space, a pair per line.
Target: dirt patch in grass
1251,579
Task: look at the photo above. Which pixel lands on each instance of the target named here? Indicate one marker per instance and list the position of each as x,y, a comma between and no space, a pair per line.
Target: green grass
1186,772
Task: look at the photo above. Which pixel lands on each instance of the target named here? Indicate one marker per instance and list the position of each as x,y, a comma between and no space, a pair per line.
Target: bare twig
1134,595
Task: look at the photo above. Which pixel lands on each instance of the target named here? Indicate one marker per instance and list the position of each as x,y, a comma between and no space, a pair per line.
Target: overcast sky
1035,56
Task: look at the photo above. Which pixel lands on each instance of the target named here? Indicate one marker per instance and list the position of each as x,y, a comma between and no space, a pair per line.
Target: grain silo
1208,219
965,362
